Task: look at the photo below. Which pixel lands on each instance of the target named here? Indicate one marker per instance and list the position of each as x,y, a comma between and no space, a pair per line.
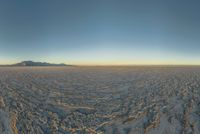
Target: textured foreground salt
111,100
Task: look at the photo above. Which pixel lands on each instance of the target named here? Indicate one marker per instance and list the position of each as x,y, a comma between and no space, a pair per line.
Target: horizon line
119,65
148,63
140,65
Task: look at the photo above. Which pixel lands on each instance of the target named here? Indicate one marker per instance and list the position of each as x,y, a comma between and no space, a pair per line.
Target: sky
100,32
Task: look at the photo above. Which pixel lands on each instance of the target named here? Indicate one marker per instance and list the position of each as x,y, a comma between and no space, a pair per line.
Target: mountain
32,63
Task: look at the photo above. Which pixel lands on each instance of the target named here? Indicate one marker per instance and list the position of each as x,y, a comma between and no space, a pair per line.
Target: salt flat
111,100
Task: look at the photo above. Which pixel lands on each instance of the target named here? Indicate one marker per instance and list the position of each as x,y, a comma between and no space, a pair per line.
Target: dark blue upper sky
100,31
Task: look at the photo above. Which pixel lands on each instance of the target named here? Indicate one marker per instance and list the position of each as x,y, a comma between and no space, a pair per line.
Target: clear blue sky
100,31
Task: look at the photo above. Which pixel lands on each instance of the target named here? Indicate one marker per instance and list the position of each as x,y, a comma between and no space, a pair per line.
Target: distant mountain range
32,63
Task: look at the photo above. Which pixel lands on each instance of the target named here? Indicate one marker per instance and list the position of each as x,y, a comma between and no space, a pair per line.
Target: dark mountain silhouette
32,63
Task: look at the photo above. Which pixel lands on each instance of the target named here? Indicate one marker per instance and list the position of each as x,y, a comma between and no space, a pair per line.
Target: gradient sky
100,31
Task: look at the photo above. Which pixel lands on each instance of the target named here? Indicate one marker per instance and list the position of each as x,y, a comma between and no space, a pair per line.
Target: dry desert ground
91,100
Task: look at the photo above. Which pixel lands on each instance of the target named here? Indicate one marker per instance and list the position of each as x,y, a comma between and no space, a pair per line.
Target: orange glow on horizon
111,62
